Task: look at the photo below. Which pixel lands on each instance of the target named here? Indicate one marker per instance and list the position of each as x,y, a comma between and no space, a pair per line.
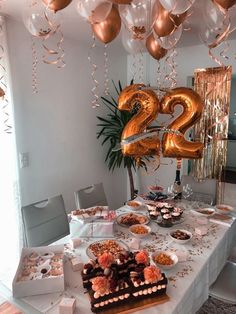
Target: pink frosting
105,260
152,274
142,258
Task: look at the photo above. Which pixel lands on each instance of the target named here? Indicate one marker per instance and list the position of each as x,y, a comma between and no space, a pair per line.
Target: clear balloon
168,42
137,17
213,16
132,45
39,20
95,11
177,6
213,37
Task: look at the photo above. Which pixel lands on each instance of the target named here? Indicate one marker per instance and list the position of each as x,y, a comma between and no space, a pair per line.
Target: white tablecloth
189,281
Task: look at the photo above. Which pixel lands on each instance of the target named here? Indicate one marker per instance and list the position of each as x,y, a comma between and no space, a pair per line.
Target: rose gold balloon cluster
173,142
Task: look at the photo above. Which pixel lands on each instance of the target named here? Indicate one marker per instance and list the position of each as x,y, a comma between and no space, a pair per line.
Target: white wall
57,126
188,59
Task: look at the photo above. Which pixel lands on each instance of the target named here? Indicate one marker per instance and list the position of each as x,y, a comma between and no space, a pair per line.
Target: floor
213,306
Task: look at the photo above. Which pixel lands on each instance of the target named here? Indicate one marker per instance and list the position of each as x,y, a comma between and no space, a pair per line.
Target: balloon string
59,52
106,80
141,68
134,68
223,53
3,80
158,74
34,66
95,103
170,61
214,58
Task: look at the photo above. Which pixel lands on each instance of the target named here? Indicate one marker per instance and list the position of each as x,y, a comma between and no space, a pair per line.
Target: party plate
113,246
132,218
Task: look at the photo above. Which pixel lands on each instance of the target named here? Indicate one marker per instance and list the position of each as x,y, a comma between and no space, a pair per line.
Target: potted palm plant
110,130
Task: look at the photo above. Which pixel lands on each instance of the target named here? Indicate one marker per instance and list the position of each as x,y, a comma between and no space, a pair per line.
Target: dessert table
188,282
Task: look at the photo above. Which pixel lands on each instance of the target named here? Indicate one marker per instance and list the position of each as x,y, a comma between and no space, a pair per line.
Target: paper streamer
95,103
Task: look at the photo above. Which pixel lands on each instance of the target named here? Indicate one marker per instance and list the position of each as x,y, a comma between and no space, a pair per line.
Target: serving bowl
181,236
140,230
224,209
160,258
134,205
207,211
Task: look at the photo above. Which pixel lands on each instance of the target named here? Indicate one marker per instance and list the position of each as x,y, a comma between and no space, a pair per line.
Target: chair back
45,221
204,191
90,196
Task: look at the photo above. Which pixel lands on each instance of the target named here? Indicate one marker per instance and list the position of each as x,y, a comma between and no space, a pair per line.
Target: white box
37,286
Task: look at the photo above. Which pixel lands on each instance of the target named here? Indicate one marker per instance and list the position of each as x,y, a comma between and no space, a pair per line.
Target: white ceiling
76,28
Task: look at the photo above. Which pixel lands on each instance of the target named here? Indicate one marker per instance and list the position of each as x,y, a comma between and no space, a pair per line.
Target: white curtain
10,222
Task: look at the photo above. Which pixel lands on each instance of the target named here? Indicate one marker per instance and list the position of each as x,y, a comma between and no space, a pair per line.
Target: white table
188,283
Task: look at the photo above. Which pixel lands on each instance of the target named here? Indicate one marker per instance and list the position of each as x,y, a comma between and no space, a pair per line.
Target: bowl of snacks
224,209
181,236
140,231
134,205
207,212
165,259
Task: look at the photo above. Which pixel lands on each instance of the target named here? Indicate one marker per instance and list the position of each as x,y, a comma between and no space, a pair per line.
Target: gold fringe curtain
213,85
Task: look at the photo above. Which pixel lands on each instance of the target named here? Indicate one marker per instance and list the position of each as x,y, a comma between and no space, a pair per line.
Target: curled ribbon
5,106
49,52
34,66
95,103
106,80
170,61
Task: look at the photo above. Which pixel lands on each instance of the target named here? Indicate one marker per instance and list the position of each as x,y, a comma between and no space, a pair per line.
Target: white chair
93,195
204,191
45,221
224,288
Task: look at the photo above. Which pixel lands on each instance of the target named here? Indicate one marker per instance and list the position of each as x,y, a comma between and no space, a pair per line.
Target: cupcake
176,216
167,220
169,207
178,210
153,214
164,211
159,206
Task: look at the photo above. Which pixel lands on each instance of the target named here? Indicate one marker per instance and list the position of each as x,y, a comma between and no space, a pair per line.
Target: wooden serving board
136,306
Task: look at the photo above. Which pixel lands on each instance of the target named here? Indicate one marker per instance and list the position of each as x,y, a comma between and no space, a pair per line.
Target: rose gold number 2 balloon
175,145
149,108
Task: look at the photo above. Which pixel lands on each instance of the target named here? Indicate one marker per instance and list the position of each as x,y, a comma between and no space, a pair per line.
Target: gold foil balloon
166,22
149,108
175,145
153,47
108,30
56,5
225,4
